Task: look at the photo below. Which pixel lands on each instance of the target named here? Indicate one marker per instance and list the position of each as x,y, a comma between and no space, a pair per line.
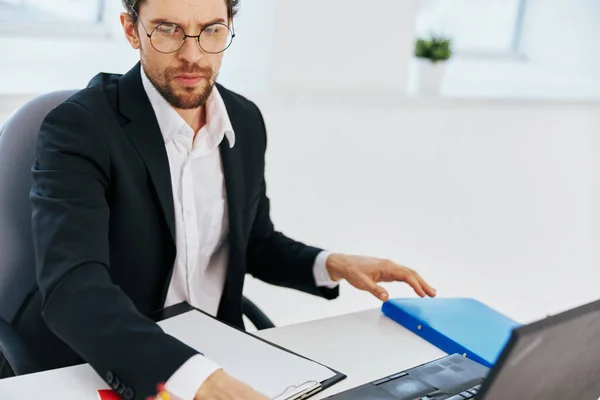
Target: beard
185,97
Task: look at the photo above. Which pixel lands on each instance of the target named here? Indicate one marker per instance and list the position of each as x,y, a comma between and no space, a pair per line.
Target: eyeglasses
169,37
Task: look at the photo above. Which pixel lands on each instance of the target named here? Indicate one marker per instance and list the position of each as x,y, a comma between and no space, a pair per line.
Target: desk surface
364,345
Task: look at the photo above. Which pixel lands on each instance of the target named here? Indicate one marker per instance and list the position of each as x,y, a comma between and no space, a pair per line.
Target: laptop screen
554,361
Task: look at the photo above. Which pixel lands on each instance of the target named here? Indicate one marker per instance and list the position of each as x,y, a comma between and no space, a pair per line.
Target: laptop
557,358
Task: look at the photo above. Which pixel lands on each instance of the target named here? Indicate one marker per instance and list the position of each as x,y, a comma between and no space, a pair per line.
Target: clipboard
300,391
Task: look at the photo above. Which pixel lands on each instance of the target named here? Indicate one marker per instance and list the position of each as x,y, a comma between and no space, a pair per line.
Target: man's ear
129,30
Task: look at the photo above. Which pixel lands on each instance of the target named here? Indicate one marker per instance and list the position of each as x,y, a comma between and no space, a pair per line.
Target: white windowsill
36,30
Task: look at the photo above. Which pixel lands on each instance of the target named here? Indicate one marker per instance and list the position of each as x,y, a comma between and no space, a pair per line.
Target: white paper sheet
266,368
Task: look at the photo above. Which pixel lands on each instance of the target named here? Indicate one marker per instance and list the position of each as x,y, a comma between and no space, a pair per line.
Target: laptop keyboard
470,394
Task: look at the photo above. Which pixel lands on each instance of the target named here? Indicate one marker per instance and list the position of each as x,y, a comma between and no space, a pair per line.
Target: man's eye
167,29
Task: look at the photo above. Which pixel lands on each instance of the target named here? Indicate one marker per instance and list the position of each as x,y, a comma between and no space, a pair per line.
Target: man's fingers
374,288
428,289
412,278
415,284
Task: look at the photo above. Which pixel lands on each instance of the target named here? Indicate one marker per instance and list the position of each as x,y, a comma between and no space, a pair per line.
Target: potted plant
432,54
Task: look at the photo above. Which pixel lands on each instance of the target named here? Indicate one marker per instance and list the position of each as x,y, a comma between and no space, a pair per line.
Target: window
51,11
476,26
53,18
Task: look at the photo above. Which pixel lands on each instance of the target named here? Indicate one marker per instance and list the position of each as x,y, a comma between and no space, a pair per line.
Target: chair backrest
18,139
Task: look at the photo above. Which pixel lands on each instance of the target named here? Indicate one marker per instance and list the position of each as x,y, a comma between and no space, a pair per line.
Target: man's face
186,77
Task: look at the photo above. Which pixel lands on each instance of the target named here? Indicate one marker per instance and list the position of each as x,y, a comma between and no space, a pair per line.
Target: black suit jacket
103,224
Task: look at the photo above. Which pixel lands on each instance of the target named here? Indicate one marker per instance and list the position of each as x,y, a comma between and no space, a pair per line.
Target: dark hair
232,7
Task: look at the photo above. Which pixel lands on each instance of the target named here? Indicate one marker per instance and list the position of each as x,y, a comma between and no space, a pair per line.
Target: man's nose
190,51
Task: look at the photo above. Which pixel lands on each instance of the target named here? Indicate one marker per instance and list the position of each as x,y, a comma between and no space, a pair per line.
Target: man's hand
364,272
221,386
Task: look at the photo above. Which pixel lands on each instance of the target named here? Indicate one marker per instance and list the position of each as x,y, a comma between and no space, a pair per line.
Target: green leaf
435,48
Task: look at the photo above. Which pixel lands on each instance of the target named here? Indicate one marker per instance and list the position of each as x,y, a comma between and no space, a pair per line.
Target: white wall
563,35
342,46
493,200
248,63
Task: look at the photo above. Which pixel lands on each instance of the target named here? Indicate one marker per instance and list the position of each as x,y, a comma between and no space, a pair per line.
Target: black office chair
18,139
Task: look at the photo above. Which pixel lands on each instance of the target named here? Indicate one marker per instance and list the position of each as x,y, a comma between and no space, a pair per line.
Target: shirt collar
170,122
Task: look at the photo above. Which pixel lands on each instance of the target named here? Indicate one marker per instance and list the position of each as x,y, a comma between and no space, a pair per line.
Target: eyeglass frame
186,36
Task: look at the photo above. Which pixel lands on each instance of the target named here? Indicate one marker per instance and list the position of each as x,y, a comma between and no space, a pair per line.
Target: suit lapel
144,133
232,161
233,172
234,184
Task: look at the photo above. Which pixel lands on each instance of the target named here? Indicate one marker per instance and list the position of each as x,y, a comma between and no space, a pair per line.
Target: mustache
190,69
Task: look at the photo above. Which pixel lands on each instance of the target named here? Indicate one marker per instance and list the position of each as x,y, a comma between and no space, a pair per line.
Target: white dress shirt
201,220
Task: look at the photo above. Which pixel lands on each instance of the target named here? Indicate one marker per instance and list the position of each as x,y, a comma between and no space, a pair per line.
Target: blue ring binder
454,325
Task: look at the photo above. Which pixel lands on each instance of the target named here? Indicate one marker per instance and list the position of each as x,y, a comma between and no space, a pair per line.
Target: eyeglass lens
168,38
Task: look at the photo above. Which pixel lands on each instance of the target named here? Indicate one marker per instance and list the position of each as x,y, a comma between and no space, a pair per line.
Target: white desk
364,346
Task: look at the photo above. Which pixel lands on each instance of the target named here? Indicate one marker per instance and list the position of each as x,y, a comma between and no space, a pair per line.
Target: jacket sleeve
277,259
70,221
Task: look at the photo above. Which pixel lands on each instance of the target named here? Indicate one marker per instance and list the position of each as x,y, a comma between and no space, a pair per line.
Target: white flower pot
430,76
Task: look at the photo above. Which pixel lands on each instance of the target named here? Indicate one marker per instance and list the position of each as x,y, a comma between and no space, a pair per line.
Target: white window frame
515,49
514,52
84,30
